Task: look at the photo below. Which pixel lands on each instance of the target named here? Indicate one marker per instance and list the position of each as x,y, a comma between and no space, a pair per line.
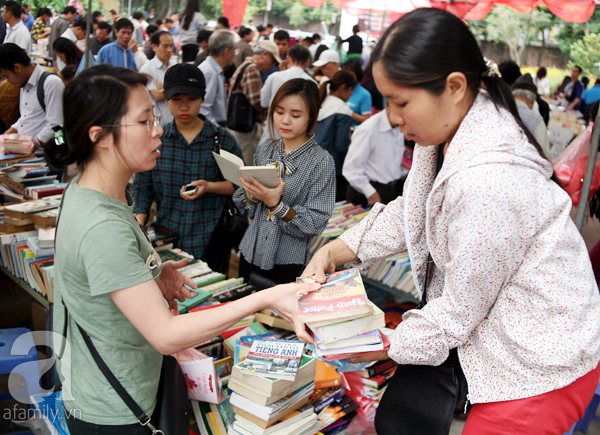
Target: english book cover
342,295
278,359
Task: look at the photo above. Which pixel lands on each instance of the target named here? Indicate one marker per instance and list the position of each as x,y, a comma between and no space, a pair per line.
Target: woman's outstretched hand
283,299
172,283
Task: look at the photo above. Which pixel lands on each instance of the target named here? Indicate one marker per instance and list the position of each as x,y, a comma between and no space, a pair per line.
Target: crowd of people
492,246
253,64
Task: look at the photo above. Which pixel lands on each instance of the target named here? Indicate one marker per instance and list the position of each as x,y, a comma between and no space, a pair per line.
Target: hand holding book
270,197
283,299
327,258
172,284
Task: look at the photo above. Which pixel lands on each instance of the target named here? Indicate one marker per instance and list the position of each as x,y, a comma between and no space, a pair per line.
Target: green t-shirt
100,248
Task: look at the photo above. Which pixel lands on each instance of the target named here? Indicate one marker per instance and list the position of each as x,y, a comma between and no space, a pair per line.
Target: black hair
69,10
223,21
14,8
123,23
424,46
308,91
11,54
510,71
137,15
270,25
188,13
96,14
320,49
309,39
112,11
155,39
81,23
168,20
260,28
299,54
103,25
355,29
575,66
158,22
203,35
98,96
315,37
585,80
339,79
68,72
25,6
541,73
281,35
43,11
244,31
67,47
353,65
151,29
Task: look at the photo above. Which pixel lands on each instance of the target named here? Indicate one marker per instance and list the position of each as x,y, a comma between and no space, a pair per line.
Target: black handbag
422,399
171,412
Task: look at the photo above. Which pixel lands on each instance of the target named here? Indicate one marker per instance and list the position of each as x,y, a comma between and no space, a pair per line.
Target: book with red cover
342,295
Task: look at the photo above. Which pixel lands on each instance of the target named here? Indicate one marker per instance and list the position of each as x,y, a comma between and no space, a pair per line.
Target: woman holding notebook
509,318
110,284
286,218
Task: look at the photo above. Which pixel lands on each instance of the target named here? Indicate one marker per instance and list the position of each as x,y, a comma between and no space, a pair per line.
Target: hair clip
59,137
492,69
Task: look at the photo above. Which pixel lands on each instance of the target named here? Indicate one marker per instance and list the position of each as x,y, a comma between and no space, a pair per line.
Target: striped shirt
179,164
308,196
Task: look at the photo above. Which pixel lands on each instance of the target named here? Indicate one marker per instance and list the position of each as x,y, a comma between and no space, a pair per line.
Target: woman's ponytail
323,92
57,153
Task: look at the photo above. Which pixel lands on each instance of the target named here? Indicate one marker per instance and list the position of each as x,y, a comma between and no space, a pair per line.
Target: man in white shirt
162,45
36,122
77,33
221,52
17,33
373,165
298,60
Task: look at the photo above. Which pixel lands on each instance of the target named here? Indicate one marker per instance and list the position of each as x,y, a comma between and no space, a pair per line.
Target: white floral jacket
512,288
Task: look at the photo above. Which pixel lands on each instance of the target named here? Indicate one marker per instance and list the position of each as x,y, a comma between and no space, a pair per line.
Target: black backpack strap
240,75
40,89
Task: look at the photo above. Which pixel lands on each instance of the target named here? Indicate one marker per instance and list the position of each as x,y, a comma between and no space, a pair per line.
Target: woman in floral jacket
511,289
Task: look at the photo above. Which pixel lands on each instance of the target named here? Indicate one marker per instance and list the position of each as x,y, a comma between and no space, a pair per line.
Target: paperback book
341,296
278,359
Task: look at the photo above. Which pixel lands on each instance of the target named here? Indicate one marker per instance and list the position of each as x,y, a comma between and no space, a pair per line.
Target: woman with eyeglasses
107,274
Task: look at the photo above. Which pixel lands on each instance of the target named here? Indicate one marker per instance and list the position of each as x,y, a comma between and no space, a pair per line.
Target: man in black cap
525,93
186,159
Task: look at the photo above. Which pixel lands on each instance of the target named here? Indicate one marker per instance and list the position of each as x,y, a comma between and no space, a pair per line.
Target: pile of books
18,218
343,320
271,388
345,215
376,377
395,272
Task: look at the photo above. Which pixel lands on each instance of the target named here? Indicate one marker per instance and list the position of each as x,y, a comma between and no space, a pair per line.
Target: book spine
329,400
381,367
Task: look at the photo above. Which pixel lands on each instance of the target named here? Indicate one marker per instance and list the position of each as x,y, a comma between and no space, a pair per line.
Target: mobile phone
190,189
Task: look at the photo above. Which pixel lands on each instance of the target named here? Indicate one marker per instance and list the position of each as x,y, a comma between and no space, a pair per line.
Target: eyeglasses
151,124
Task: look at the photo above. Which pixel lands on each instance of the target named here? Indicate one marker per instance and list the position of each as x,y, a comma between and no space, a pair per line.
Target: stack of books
376,377
343,320
271,388
18,218
394,272
345,215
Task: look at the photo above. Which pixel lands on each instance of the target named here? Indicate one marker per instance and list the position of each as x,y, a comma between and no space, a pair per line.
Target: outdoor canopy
573,11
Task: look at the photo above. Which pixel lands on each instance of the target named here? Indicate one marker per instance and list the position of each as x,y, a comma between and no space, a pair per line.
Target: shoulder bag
240,113
423,399
171,411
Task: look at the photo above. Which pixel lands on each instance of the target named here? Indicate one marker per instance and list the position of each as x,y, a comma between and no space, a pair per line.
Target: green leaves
585,53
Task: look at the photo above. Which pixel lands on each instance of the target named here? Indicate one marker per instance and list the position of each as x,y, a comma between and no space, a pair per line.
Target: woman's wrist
273,207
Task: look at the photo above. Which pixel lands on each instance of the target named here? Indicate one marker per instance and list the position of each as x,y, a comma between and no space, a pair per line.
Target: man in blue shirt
591,95
26,17
118,53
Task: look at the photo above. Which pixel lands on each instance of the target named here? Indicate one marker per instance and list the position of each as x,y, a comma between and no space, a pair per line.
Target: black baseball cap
184,78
